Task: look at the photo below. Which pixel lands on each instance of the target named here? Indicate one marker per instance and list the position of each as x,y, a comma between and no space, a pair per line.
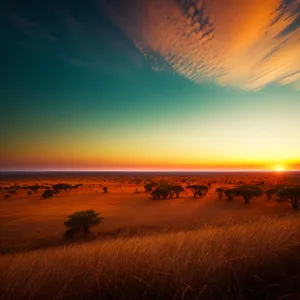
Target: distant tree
230,193
160,192
149,187
270,192
61,186
35,188
198,190
29,193
48,193
105,190
83,220
290,195
220,191
76,186
248,192
177,189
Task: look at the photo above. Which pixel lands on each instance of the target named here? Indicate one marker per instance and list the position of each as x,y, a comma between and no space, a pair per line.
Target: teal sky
77,93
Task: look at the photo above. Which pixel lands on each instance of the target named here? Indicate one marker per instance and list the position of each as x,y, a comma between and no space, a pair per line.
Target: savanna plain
230,235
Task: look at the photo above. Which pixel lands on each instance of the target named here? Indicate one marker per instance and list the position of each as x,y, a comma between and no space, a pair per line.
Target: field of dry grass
32,222
253,260
179,248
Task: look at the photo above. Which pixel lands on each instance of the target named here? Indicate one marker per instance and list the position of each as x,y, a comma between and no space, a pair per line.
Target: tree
83,220
61,186
149,187
248,192
35,188
76,186
229,193
198,190
161,192
220,191
177,189
270,192
290,195
48,193
105,190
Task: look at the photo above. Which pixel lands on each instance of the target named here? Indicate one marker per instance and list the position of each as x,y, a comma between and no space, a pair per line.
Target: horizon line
144,171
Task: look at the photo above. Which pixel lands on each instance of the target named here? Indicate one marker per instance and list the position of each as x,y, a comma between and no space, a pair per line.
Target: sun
279,168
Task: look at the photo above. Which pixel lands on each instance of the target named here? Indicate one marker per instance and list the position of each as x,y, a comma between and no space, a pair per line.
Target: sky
150,85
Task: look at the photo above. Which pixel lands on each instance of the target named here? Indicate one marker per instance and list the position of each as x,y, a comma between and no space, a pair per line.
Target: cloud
93,46
32,28
244,44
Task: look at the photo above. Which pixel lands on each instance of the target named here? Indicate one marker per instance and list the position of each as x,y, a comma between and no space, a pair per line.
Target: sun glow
279,168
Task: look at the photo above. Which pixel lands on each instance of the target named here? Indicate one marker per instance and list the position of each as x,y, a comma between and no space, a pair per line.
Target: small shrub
48,193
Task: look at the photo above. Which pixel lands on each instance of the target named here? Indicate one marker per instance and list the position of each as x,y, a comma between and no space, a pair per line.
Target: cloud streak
244,44
32,28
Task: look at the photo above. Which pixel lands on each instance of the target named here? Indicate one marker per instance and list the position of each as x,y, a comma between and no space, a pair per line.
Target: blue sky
81,90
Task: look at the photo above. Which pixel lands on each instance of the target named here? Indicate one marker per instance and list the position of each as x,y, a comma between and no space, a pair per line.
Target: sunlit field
203,247
252,260
31,221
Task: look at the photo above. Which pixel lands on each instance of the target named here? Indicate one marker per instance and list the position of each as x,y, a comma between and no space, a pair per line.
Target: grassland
254,260
185,248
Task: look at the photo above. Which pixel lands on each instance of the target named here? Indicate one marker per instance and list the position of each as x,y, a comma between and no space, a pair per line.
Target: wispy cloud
31,28
90,46
245,44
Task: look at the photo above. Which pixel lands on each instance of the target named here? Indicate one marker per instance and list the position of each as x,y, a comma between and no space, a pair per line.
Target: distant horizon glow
155,170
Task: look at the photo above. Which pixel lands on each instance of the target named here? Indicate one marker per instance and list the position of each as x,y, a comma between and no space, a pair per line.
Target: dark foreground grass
254,260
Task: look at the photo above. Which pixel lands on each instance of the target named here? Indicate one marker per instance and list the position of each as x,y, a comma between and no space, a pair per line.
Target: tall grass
245,261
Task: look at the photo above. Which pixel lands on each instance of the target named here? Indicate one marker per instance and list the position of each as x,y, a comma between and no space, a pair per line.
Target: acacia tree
177,189
290,195
165,190
248,192
48,193
161,192
83,220
270,192
149,187
62,186
198,190
220,191
230,193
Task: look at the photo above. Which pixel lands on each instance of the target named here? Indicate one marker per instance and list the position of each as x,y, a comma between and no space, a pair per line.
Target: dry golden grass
254,260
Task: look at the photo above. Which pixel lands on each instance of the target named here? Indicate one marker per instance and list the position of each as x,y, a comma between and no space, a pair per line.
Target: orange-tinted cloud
246,44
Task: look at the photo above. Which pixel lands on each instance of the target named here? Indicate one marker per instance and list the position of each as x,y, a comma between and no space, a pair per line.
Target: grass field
31,222
254,260
179,248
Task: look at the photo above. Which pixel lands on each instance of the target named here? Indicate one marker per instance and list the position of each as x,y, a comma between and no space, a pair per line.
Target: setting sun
279,168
